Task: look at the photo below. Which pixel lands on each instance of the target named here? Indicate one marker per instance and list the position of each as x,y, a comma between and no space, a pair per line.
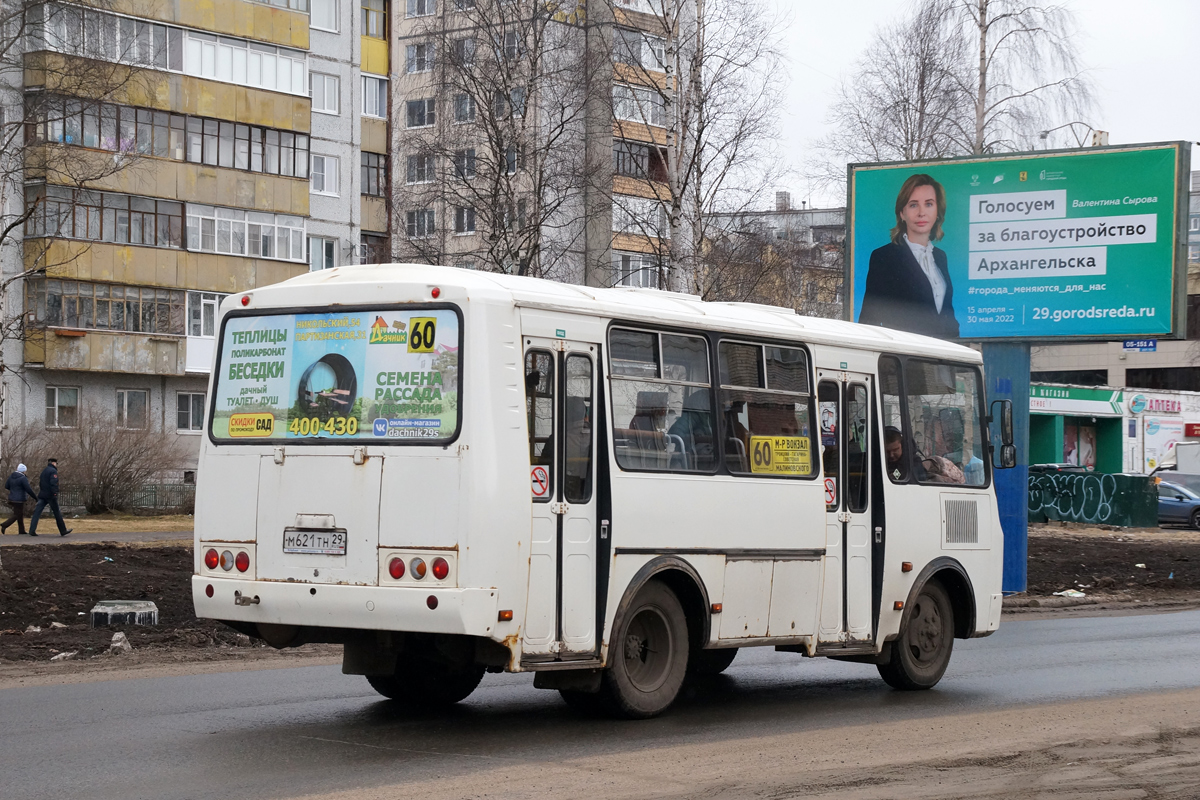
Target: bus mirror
1006,420
1008,456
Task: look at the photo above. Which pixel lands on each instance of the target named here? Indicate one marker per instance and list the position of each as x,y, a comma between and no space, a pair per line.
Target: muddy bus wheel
423,684
922,651
649,655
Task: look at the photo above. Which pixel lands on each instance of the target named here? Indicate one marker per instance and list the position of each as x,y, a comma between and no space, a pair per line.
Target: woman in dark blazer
908,284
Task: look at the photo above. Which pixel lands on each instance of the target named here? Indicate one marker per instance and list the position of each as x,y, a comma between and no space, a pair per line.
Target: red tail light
440,569
212,560
417,567
242,562
396,568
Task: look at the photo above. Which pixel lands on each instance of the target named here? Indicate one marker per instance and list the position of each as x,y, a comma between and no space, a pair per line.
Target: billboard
1084,244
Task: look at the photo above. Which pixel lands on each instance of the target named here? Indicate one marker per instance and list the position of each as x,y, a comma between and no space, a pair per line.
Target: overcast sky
1142,56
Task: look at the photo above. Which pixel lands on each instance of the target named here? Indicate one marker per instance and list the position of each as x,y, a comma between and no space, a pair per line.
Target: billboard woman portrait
908,284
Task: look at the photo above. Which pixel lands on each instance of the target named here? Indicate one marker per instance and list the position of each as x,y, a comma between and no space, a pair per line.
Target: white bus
451,472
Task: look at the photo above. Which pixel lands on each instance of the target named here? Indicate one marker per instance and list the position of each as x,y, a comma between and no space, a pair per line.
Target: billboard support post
1006,368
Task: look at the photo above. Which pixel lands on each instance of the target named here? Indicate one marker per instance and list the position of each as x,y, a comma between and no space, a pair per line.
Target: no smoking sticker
830,491
539,480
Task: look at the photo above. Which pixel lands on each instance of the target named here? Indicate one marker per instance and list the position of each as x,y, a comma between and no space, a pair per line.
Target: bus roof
639,305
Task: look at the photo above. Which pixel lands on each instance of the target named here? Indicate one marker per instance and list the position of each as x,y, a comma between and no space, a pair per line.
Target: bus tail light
505,615
227,560
211,559
396,568
417,566
431,601
208,590
242,562
441,568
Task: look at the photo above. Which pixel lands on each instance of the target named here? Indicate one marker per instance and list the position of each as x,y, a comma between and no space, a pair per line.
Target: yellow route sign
780,455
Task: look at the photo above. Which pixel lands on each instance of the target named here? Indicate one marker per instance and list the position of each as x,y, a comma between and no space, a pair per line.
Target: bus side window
539,408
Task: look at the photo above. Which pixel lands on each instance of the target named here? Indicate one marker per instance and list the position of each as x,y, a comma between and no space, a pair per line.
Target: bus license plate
325,543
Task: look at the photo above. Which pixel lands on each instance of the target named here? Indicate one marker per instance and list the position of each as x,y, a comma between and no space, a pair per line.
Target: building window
514,216
189,477
374,19
464,220
132,409
324,175
513,159
635,269
374,174
375,97
202,313
324,15
639,49
245,233
464,163
642,216
636,160
464,108
323,89
101,306
1194,223
464,5
103,216
420,169
418,57
421,8
189,411
419,113
645,106
62,407
419,224
141,43
105,126
464,52
322,253
513,46
374,249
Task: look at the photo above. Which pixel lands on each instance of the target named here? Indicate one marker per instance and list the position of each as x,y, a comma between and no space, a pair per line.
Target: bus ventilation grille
962,522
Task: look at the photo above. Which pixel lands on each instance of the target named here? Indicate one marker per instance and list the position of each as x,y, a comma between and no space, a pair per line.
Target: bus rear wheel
648,657
921,653
424,684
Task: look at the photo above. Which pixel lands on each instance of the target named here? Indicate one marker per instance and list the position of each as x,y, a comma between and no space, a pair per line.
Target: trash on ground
33,629
1140,566
1069,593
57,625
64,656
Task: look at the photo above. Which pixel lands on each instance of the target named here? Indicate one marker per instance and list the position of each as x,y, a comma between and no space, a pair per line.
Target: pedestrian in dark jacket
18,490
48,496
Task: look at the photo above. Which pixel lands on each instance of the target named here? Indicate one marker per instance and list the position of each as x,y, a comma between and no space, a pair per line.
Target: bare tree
1027,78
957,77
718,98
505,153
750,264
903,101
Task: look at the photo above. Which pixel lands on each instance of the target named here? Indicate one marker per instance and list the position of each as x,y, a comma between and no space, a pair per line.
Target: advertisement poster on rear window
382,376
1082,244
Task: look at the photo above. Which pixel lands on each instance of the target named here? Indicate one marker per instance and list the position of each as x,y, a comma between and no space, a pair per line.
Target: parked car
1041,468
1178,504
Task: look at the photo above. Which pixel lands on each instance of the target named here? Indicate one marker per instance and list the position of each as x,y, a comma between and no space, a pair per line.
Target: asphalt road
300,731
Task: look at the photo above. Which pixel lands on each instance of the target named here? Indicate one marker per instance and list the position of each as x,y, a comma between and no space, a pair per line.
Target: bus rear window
378,375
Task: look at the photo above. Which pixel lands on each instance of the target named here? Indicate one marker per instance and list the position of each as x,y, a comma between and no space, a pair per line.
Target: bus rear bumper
472,612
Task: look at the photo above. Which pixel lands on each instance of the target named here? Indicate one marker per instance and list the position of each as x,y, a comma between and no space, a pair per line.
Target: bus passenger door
843,400
560,383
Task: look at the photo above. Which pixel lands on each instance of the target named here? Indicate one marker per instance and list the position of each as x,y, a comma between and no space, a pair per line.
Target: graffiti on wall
1095,498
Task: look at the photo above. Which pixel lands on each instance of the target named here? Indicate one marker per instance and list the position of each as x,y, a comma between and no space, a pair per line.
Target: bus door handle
603,529
879,536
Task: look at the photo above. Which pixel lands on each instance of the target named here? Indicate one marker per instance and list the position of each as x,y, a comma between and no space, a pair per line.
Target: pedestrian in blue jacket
48,496
18,490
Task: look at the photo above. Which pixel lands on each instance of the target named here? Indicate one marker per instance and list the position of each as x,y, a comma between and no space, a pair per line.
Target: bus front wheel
423,684
648,656
922,651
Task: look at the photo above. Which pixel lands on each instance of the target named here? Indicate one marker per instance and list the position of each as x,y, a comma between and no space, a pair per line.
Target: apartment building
531,138
176,153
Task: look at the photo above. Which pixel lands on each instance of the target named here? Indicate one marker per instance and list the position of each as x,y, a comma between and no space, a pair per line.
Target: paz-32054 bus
451,472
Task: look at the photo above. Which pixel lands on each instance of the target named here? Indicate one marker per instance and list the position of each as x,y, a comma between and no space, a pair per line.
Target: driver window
945,424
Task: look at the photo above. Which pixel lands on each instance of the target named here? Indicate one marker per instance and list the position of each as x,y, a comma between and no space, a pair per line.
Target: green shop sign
1075,400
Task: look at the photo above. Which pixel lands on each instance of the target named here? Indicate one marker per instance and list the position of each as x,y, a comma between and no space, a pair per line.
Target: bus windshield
381,375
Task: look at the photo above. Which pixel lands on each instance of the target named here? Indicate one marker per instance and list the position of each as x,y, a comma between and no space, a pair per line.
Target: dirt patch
43,584
1155,566
113,523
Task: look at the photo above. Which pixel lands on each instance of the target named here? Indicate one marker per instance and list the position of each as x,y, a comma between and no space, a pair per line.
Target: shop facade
1109,429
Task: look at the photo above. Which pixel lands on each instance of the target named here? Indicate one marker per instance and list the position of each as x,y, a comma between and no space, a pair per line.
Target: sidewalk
48,534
